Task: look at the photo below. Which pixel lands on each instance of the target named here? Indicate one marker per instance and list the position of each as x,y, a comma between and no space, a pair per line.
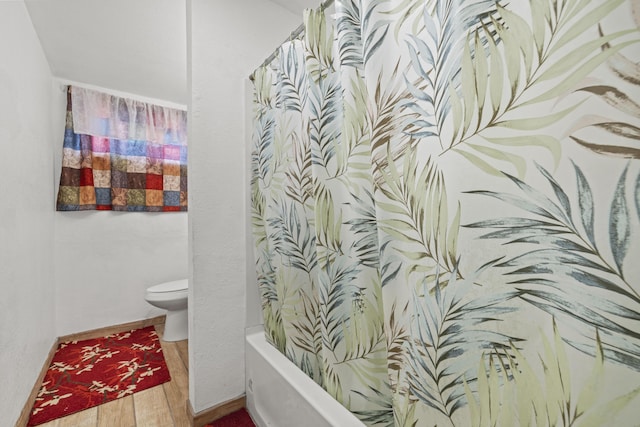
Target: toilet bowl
171,296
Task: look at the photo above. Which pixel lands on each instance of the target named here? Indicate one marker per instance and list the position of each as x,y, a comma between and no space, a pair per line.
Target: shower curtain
446,209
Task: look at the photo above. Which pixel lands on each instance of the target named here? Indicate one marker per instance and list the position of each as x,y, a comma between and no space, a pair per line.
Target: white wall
227,39
105,260
26,217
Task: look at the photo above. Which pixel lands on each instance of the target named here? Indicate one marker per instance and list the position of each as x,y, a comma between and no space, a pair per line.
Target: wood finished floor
160,406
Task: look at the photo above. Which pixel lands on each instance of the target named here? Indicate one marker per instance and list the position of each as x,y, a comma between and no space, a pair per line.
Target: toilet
171,296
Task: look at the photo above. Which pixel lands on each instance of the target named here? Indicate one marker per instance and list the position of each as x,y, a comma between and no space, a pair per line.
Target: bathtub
281,395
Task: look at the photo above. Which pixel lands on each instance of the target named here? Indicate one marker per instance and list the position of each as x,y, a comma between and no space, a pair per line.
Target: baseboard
94,333
26,409
108,330
216,412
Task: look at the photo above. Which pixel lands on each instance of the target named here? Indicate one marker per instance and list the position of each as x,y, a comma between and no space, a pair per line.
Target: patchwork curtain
123,155
446,209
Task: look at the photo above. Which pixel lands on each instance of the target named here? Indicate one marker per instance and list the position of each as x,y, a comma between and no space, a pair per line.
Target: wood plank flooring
160,406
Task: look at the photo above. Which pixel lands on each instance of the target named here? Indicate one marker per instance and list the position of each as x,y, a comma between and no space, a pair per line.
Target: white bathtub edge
309,391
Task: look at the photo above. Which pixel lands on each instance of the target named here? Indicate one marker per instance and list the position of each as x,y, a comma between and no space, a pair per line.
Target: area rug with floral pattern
87,373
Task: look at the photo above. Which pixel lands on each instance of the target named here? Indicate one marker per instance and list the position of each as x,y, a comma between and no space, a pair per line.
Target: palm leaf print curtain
446,209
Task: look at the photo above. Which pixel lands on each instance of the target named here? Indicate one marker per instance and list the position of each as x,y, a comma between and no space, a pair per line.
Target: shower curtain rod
294,34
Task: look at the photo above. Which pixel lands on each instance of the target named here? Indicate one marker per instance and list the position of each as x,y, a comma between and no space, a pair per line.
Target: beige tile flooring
160,406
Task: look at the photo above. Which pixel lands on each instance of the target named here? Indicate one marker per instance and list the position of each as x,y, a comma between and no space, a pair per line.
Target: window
123,155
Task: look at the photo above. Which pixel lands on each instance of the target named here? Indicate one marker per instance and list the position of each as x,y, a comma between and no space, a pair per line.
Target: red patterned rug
239,418
87,373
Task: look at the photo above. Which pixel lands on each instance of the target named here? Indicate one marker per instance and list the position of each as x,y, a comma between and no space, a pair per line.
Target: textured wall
227,40
26,218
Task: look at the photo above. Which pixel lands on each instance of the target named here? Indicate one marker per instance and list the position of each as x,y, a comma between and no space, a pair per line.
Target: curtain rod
294,34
